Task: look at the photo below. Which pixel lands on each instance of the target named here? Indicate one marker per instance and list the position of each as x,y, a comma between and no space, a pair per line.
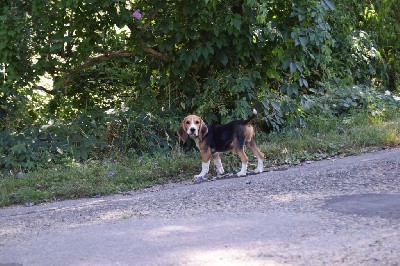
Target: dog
211,140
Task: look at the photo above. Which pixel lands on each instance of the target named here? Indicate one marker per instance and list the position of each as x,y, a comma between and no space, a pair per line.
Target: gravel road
343,211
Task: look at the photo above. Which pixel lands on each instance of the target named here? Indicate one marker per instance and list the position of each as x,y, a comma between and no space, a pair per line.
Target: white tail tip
254,111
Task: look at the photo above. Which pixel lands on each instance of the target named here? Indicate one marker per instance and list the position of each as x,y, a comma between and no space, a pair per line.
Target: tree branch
155,53
41,88
101,58
111,56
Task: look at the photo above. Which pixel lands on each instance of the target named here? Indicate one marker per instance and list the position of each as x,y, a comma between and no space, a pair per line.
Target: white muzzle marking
192,129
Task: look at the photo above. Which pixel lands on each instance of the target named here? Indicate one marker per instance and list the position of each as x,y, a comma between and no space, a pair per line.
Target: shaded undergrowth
324,136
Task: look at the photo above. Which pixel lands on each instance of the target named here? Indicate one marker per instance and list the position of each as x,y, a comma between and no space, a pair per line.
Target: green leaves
235,23
217,58
329,4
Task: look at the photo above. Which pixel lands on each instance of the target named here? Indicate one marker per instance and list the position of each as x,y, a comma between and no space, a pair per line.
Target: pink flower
136,14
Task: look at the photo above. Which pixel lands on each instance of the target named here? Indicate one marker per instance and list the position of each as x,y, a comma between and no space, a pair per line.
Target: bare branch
110,56
101,58
41,88
155,53
116,55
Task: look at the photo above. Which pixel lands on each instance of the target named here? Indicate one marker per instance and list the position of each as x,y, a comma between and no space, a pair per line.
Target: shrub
96,135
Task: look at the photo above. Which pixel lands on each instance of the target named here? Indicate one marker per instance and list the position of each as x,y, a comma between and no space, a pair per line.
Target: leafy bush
289,59
229,57
95,135
338,100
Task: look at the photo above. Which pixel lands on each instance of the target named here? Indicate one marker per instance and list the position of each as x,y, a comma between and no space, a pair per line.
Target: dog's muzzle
192,132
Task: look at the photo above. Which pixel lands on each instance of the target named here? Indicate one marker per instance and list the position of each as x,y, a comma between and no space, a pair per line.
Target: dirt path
339,211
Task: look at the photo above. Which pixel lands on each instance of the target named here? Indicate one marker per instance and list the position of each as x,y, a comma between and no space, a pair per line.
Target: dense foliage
84,79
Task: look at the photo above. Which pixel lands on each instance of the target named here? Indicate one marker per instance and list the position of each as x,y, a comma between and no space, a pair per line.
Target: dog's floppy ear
203,130
182,132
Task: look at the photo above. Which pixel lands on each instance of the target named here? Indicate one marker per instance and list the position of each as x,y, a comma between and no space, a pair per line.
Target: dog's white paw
260,167
241,173
199,178
219,173
258,170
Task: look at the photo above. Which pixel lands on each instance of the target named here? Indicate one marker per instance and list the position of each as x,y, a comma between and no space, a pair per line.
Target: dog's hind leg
260,156
245,161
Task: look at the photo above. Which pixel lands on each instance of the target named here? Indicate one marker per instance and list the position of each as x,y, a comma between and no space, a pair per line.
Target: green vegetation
323,137
90,88
94,178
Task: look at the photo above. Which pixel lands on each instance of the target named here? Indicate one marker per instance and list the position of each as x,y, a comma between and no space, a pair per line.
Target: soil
335,212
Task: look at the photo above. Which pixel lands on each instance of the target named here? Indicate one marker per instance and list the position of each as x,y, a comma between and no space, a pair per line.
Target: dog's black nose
192,129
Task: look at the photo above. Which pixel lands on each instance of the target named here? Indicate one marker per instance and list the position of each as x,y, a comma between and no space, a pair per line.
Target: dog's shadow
198,180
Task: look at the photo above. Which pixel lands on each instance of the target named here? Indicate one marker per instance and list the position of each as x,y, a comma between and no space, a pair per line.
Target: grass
324,136
330,136
95,178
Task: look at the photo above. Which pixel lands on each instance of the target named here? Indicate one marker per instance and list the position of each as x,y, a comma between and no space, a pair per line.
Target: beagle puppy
213,139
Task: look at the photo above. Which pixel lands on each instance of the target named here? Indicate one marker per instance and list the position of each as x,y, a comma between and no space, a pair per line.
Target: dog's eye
188,122
197,122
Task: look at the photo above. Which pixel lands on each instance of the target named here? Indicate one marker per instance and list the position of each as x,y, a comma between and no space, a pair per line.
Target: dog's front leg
218,164
205,167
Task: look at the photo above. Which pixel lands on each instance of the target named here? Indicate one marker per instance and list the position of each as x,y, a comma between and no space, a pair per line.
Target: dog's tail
250,120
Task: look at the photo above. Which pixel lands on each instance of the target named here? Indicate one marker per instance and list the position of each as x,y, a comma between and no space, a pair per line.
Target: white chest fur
197,142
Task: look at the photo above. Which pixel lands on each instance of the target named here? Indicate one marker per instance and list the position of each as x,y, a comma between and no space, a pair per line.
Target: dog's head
192,126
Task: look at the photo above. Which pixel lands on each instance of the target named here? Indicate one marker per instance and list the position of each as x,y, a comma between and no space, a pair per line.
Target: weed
324,136
327,135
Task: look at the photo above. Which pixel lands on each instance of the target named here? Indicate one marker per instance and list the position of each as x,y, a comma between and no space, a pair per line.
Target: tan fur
201,128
